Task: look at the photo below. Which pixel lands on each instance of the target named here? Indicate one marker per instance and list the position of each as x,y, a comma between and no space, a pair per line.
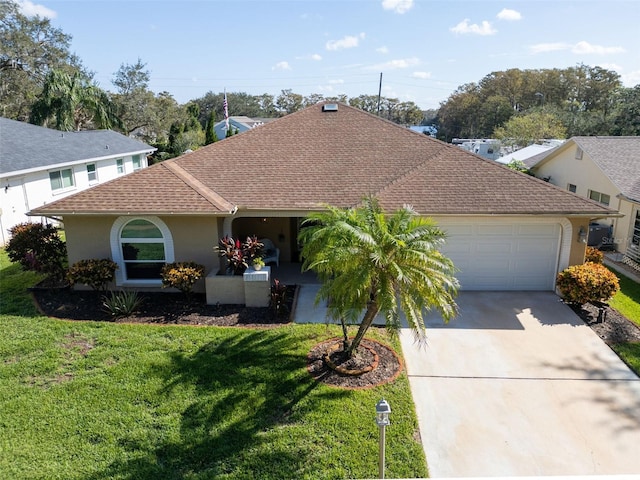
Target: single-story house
238,124
523,154
606,170
506,230
40,165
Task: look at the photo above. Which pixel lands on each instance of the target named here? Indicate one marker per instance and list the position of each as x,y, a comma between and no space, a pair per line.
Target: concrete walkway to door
517,385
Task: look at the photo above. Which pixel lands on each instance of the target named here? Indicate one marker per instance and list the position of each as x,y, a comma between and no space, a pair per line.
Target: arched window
140,246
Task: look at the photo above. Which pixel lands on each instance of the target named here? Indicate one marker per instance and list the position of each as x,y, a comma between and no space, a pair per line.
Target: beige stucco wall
564,169
88,237
193,238
578,248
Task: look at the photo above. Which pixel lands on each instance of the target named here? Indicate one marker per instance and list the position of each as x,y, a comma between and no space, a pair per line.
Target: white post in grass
382,420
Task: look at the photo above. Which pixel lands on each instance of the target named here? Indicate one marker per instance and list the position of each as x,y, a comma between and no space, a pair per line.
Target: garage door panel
494,230
497,246
506,256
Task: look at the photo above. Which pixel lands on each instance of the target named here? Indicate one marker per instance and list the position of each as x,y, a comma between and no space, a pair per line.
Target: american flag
225,107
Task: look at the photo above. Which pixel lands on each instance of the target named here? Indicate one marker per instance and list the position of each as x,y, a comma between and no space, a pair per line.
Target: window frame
94,172
572,188
137,158
116,249
599,199
62,188
120,166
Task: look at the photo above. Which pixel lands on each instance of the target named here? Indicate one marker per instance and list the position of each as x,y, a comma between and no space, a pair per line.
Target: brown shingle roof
311,157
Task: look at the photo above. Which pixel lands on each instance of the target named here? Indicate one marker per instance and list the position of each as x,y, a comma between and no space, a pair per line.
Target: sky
424,49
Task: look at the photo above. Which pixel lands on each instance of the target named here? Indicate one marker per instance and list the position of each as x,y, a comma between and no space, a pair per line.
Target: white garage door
495,255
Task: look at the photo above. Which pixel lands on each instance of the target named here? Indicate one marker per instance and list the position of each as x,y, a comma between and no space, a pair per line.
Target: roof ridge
216,200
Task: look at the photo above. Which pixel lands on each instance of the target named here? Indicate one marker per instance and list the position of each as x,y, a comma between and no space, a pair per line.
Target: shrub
38,248
181,275
594,255
587,283
122,304
278,300
95,273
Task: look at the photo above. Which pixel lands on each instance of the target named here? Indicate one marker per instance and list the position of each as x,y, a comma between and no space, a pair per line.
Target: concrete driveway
517,385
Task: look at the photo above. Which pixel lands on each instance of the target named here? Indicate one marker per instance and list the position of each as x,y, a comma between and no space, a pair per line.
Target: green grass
14,282
85,400
627,300
630,354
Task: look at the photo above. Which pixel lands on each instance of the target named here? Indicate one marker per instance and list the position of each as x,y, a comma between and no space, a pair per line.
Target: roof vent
330,107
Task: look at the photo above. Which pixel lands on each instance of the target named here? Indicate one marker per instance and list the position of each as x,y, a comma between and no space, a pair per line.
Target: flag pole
225,107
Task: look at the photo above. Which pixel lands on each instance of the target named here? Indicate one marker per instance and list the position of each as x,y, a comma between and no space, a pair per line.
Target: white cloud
281,66
338,81
396,64
348,41
586,48
30,9
382,50
313,56
631,79
580,48
509,15
611,66
422,75
398,6
465,27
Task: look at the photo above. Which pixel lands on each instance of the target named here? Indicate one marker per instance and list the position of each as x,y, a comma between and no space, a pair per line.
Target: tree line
42,82
580,100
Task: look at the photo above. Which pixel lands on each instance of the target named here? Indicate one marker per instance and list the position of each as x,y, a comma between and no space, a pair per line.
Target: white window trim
59,191
122,164
95,172
116,250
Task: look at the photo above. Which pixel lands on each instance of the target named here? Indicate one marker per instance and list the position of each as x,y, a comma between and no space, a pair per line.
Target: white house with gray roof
39,165
606,170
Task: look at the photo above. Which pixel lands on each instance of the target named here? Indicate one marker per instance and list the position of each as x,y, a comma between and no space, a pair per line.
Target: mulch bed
616,328
160,308
388,368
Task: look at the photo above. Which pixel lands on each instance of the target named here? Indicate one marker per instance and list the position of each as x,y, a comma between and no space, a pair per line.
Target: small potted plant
258,263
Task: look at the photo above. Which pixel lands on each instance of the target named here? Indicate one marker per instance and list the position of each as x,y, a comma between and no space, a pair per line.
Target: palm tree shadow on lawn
249,390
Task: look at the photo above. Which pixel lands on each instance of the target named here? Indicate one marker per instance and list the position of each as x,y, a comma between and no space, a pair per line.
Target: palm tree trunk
372,310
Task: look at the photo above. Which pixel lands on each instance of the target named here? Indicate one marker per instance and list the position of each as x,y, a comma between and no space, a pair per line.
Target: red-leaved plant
238,255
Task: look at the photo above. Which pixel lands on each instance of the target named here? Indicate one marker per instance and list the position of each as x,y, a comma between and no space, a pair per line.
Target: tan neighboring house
606,170
506,230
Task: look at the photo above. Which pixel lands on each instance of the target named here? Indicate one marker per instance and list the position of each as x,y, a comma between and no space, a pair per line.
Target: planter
250,289
224,289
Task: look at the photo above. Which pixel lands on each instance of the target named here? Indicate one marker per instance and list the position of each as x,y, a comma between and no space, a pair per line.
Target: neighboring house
39,165
606,170
506,230
524,154
238,125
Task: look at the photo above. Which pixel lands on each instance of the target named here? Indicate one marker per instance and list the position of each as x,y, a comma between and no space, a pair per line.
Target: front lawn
627,300
85,400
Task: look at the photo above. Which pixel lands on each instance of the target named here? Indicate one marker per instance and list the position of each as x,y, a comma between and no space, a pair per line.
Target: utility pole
379,93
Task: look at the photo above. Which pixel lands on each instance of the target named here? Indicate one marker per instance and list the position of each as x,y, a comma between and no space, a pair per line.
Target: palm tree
376,263
72,102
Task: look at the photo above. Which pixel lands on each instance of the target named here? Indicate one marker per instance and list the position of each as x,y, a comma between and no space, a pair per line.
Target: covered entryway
499,254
